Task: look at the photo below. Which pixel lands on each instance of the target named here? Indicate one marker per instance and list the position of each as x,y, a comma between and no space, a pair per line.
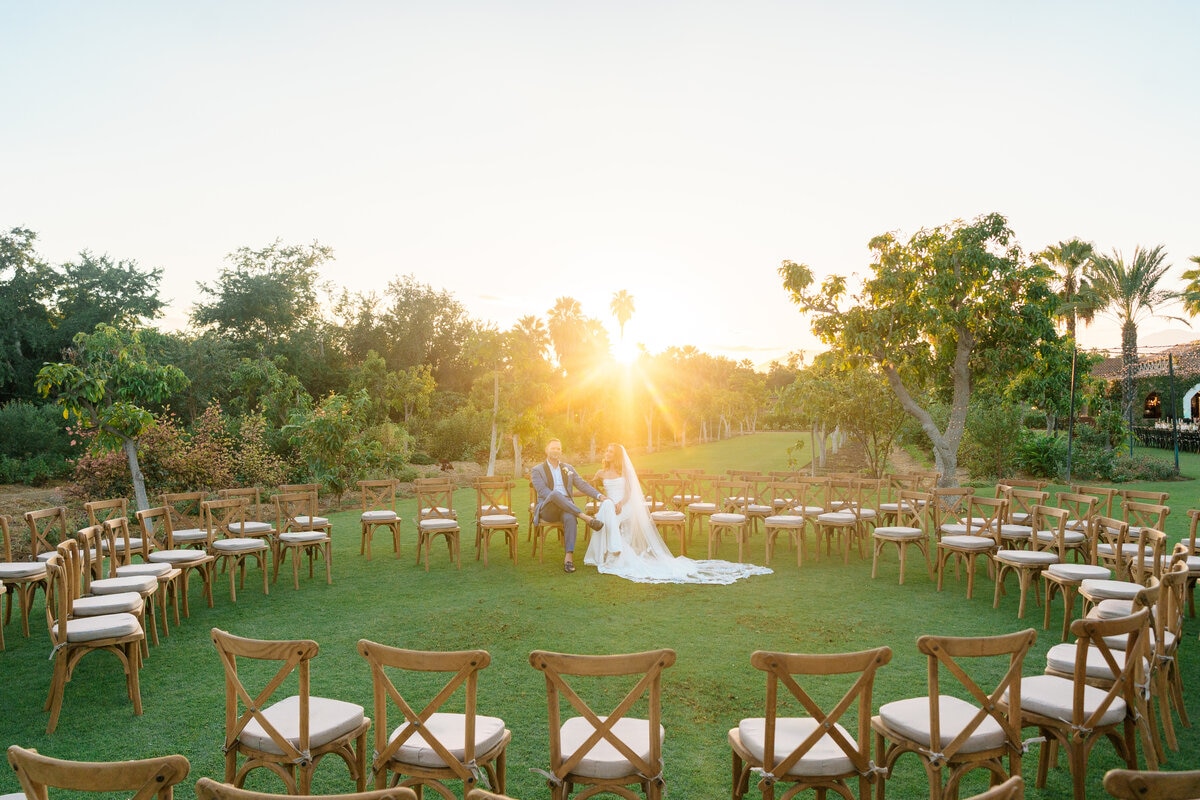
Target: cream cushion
1117,590
157,570
1079,572
306,521
498,520
327,720
837,518
910,719
179,557
378,516
451,731
239,544
1052,696
979,543
142,584
189,536
899,532
97,604
108,626
784,521
724,518
604,760
251,528
1061,658
437,524
303,537
1027,557
825,758
22,569
667,516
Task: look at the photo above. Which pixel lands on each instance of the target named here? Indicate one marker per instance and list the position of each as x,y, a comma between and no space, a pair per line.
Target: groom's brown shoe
595,524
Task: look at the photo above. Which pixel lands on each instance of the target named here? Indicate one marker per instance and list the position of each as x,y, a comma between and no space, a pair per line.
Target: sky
515,152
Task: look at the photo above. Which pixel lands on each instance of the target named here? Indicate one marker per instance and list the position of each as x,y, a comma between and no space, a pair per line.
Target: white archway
1188,399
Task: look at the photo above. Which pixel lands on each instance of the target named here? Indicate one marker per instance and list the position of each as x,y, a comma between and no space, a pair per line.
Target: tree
263,296
952,306
1130,292
1191,292
110,386
424,325
1070,260
622,308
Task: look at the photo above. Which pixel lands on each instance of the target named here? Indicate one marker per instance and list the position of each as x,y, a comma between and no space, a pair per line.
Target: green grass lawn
826,606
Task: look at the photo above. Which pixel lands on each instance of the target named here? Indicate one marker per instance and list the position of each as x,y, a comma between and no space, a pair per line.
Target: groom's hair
552,441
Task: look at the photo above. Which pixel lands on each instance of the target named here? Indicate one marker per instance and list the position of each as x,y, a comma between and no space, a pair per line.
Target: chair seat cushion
1117,590
379,516
668,516
837,518
1061,658
760,510
189,535
498,520
445,512
451,731
1106,549
240,544
306,521
825,758
13,570
179,557
328,720
702,508
604,760
910,718
809,511
134,544
784,521
1011,530
251,528
142,584
1111,608
97,604
438,524
1069,537
725,518
1052,696
979,543
303,537
899,532
157,570
1027,557
108,626
1080,572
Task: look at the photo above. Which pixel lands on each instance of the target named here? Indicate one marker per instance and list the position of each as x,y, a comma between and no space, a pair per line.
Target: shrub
35,443
990,446
459,436
1141,468
1041,455
1035,419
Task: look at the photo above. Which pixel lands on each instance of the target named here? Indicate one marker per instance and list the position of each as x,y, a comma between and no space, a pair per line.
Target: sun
626,352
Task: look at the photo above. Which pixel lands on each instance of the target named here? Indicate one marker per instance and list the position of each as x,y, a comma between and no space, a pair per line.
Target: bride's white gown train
631,547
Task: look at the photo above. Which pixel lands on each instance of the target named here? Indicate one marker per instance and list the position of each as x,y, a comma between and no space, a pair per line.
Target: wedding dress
631,547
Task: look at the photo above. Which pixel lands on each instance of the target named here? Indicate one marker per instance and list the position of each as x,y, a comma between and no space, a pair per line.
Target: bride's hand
617,507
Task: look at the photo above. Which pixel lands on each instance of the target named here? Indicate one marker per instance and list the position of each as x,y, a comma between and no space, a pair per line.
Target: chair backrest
90,541
219,515
663,492
1143,496
208,789
144,778
1133,784
1145,515
842,494
59,598
73,566
1127,669
1036,484
985,515
286,488
463,666
1194,523
378,495
5,521
782,669
242,707
816,490
1011,789
253,497
949,505
1022,501
913,509
646,667
870,492
156,527
435,500
294,511
100,511
47,527
116,530
185,509
1104,494
945,652
1147,560
1082,508
732,495
1047,519
493,495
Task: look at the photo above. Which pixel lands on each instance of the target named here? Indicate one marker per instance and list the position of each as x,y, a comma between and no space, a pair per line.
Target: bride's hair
618,460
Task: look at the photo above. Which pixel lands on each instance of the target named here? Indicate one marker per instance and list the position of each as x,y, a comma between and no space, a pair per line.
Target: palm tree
622,308
1191,292
1070,260
1130,291
566,323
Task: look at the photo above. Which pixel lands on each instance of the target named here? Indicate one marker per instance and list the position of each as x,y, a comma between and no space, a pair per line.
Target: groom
554,482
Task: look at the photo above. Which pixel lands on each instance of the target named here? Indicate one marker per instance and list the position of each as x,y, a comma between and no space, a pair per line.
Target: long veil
644,556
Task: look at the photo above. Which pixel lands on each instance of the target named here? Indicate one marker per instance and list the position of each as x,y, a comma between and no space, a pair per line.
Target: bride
631,547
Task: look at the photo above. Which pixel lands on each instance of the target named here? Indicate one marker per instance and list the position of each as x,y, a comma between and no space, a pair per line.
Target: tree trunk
135,472
649,432
518,468
494,442
1129,360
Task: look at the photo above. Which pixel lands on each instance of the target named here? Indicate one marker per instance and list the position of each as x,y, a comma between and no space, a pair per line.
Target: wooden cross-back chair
606,753
47,527
432,746
91,597
101,511
665,512
493,514
378,511
980,536
840,518
436,517
704,502
540,530
1071,712
73,638
1134,784
158,538
788,500
23,578
288,737
911,524
1081,508
731,498
301,533
813,750
1067,578
1017,529
208,789
187,519
141,779
1047,547
256,522
1103,494
221,517
1193,559
117,534
948,733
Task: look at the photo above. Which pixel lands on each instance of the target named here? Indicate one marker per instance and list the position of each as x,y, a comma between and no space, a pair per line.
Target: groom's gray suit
556,506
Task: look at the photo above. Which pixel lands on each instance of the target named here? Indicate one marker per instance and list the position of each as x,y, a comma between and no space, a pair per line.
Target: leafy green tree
866,410
1045,382
96,290
111,387
1069,261
424,325
1191,292
1131,292
952,306
334,440
263,296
